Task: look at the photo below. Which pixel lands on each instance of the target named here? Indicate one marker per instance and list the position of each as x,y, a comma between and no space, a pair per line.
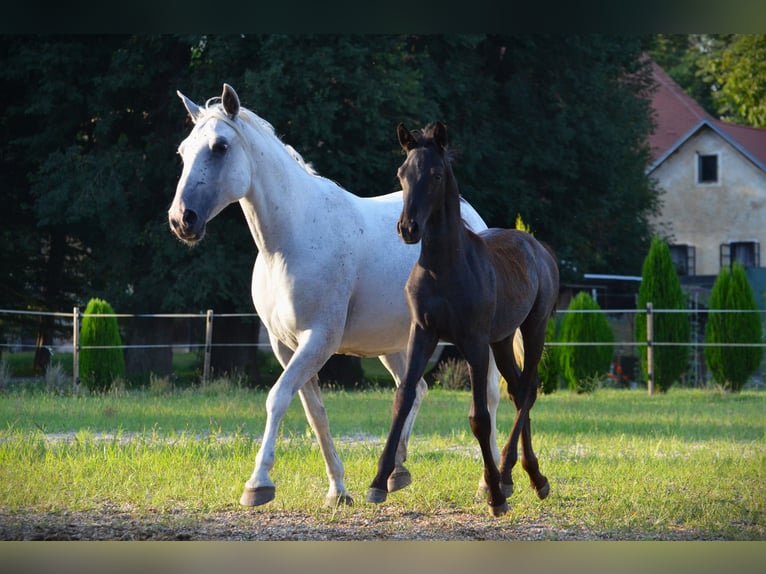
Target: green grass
621,464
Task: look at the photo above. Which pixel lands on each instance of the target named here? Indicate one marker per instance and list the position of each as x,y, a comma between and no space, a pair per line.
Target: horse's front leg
312,352
311,397
477,357
420,347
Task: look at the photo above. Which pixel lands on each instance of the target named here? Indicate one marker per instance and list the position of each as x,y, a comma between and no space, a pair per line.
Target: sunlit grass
620,463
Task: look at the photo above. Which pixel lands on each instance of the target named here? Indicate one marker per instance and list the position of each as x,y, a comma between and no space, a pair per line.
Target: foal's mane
425,138
214,108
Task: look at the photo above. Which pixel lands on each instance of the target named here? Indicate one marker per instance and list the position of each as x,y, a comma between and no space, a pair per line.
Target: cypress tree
731,367
99,367
661,287
582,365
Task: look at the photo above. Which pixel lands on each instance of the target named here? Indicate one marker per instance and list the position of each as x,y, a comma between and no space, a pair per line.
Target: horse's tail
555,258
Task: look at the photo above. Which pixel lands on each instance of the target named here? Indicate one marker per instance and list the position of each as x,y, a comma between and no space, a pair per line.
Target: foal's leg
396,364
314,348
477,356
420,347
524,396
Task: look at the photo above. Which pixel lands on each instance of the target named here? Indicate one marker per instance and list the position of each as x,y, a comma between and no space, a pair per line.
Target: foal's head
423,176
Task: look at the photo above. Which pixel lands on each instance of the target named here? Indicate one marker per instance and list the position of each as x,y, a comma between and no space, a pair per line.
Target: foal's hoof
398,479
544,490
334,501
498,510
257,496
376,495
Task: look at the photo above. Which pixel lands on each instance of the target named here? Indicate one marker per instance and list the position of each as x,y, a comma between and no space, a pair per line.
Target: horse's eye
220,147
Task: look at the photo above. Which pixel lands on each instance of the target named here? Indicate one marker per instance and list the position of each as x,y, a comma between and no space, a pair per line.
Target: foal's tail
555,258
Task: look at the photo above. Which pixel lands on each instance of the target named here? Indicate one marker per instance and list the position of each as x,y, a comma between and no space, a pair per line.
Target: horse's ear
405,137
190,106
230,101
440,135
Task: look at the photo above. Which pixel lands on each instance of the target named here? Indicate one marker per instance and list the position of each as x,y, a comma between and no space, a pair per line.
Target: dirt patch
229,525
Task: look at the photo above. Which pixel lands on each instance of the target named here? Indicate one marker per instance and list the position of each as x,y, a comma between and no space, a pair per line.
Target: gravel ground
230,525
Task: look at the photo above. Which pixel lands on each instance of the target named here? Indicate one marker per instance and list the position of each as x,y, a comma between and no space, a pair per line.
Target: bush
550,370
581,365
452,374
661,287
99,367
731,367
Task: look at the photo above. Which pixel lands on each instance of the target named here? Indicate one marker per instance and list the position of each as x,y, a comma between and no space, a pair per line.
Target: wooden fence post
208,345
76,349
650,348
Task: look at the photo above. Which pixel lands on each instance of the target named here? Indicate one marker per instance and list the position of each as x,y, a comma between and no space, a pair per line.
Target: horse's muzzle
189,228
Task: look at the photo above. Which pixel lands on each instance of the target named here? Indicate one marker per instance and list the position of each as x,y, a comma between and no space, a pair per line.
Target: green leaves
732,366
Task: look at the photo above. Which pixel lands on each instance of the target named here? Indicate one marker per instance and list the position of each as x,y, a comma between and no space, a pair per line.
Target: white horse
329,276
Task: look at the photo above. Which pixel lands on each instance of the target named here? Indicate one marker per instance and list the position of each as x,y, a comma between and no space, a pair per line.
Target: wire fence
19,331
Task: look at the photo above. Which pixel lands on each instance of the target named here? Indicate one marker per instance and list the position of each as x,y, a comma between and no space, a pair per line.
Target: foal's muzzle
408,230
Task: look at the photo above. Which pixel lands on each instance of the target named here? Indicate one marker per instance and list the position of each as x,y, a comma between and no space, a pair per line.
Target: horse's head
216,166
423,177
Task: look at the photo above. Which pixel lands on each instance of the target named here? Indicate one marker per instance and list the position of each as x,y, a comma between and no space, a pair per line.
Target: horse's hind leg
396,365
493,400
481,422
503,352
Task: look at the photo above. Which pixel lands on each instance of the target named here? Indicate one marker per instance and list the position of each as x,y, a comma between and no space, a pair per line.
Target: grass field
690,464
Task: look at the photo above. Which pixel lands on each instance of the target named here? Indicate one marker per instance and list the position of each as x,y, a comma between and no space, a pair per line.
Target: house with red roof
712,178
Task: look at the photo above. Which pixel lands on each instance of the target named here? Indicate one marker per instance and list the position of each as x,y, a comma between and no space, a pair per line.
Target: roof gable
678,117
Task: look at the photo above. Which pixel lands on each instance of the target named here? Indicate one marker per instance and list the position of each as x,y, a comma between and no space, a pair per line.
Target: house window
683,259
707,168
746,253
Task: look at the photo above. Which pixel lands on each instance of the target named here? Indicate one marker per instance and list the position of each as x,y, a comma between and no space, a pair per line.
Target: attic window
707,168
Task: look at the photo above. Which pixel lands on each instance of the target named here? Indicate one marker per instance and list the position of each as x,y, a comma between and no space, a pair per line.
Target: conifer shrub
731,367
661,287
549,369
99,367
582,365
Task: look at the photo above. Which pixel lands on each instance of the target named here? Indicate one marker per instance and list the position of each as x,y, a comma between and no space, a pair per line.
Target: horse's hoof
544,490
398,479
498,510
257,496
334,501
506,488
481,492
376,495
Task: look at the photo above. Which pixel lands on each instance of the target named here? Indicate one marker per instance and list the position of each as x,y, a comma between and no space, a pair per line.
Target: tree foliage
731,367
99,367
723,72
581,365
661,287
550,126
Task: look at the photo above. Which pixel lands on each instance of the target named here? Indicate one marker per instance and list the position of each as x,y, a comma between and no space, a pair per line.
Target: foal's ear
190,106
230,101
440,135
405,137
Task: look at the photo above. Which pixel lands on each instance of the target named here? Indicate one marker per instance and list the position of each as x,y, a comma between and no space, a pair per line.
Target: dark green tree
731,367
661,287
583,365
99,367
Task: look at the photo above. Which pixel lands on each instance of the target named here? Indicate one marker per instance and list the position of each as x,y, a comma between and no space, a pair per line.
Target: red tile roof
677,114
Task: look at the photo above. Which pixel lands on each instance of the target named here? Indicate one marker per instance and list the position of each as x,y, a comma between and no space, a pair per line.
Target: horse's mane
213,107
